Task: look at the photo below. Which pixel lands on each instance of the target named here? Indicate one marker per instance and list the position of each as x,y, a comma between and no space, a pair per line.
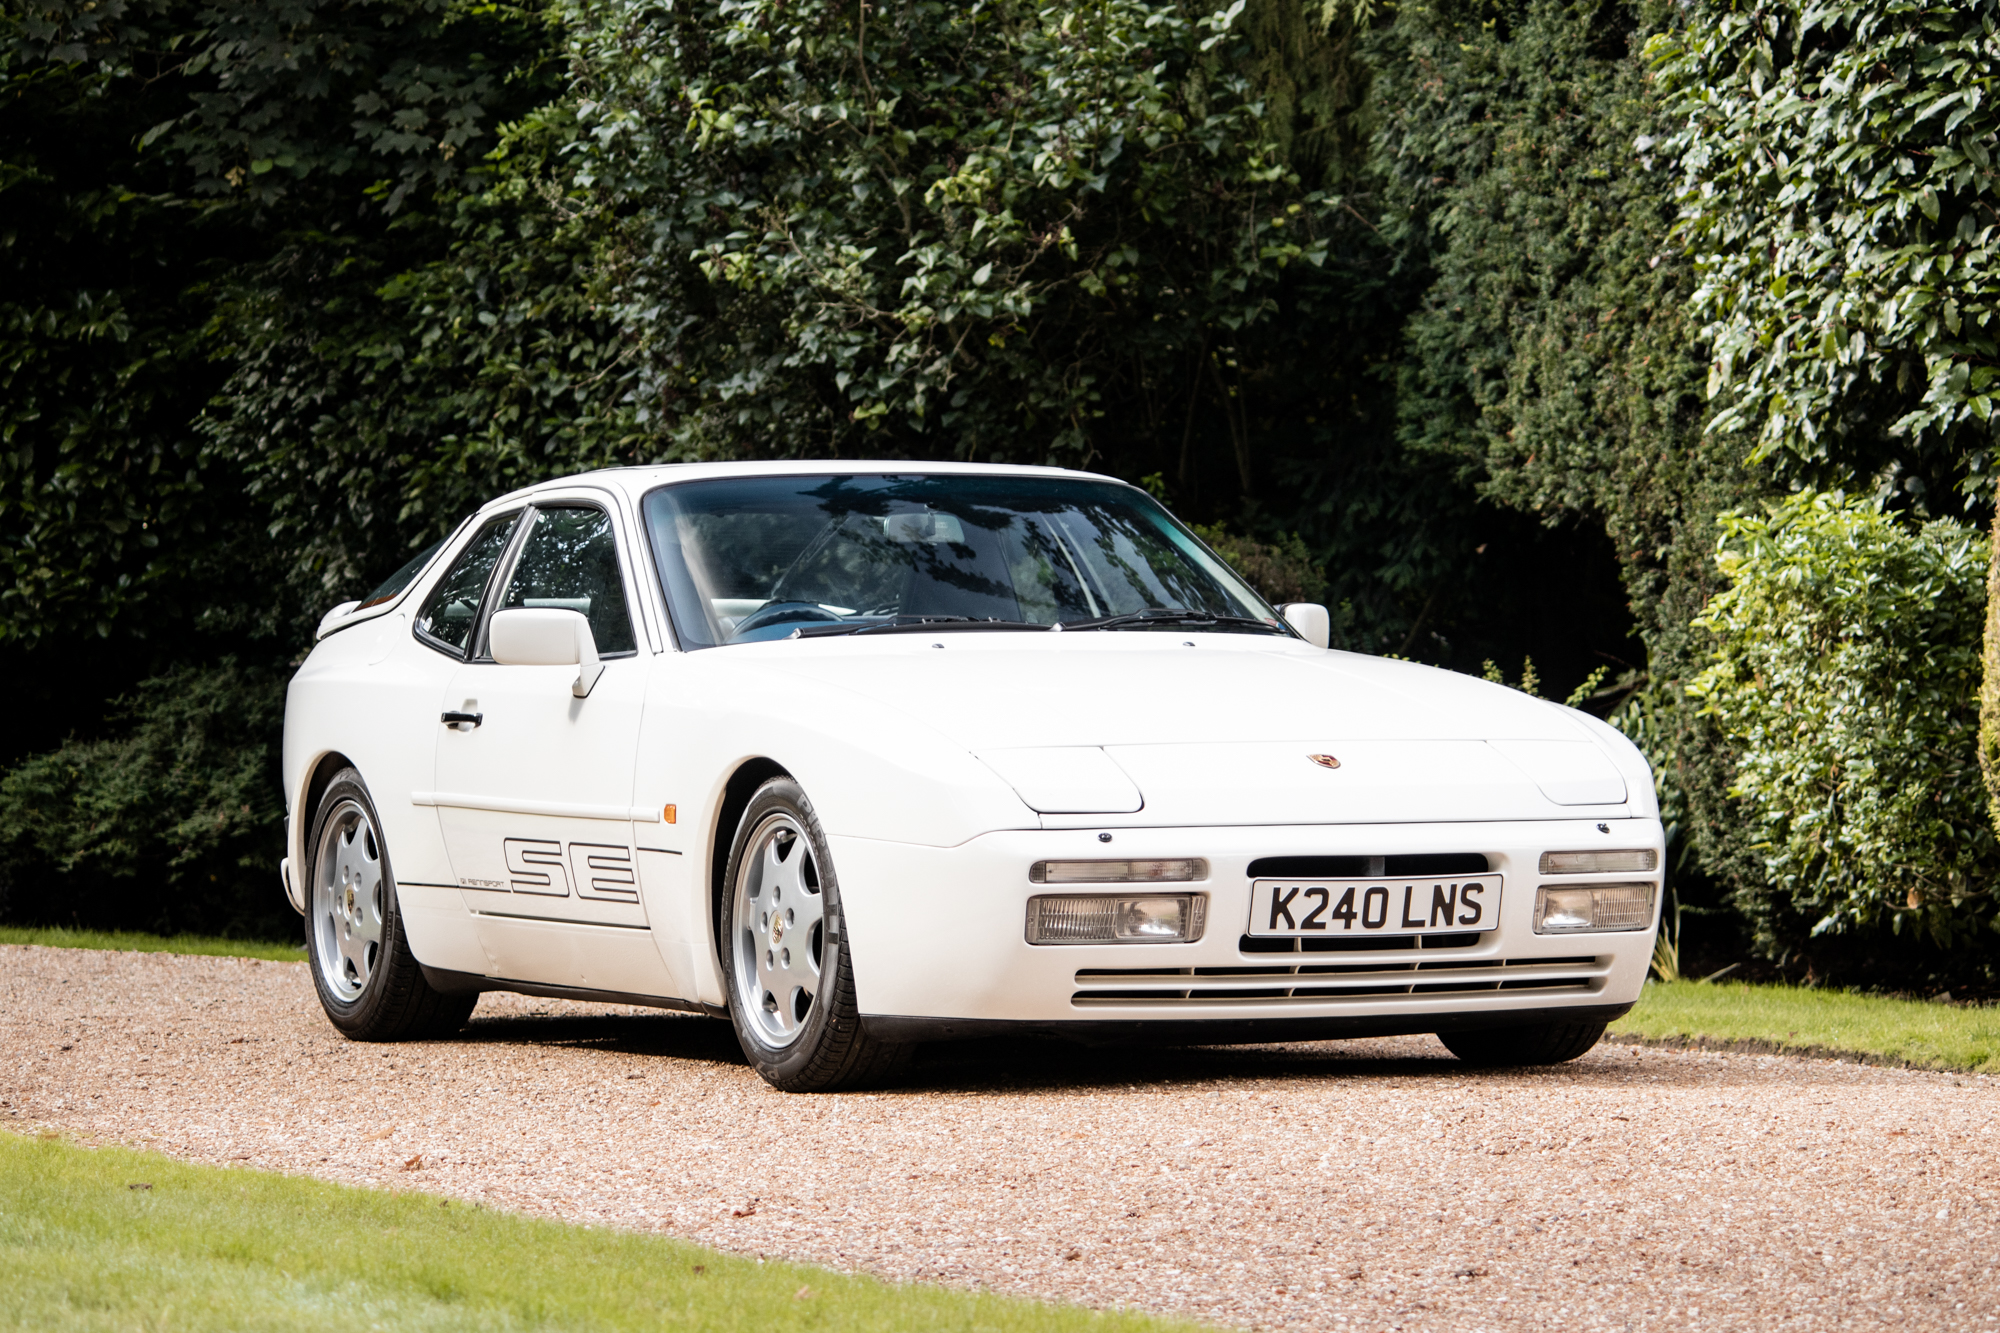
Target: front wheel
1534,1044
368,981
784,954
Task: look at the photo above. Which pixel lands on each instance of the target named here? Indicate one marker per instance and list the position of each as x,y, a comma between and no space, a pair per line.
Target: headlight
1155,919
1593,907
1118,872
1599,863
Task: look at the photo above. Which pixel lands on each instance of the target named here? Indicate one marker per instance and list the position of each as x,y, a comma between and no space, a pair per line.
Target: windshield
753,558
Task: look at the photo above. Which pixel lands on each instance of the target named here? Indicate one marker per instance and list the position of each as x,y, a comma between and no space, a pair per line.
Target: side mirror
546,636
1310,620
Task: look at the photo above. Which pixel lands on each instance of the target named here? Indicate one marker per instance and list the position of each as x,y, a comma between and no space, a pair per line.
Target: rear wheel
784,954
368,981
1535,1044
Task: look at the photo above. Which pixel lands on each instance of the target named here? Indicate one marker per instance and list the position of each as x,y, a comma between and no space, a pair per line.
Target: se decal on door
592,869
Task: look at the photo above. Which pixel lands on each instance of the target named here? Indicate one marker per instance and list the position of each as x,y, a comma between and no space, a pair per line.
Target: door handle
462,719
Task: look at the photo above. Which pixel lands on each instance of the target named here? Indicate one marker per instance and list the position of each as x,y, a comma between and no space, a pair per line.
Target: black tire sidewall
363,1014
790,1065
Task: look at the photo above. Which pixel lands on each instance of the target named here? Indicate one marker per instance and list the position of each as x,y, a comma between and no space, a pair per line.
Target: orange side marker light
668,814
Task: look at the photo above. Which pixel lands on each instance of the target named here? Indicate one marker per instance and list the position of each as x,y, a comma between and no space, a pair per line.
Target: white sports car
873,754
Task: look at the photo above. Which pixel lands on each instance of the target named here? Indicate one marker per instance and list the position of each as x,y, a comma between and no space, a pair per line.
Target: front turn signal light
1118,872
1616,862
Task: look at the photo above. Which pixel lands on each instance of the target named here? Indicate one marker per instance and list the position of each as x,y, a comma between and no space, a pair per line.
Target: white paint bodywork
534,848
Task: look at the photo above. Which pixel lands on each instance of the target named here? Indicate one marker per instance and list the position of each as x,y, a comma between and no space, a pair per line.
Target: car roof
636,481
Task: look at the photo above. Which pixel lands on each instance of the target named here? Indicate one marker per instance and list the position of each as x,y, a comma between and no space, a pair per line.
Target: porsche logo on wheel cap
1324,760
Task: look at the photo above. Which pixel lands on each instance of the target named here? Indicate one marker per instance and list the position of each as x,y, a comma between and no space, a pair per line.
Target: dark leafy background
1418,308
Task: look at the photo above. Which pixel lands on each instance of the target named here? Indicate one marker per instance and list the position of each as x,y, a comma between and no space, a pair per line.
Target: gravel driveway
1360,1185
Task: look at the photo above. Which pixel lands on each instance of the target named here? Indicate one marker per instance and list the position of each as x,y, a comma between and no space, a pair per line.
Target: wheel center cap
348,906
777,927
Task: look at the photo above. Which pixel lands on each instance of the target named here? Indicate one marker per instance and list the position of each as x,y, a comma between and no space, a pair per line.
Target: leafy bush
1847,674
175,825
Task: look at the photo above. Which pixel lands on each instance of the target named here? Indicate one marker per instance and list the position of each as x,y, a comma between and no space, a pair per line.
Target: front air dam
1231,1031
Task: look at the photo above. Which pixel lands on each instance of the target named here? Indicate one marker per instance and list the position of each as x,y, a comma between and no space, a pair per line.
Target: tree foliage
1281,571
101,367
937,228
1105,235
1427,310
381,389
1843,209
159,157
1551,356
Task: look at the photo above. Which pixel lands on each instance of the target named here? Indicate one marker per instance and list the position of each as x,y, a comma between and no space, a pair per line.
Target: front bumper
939,947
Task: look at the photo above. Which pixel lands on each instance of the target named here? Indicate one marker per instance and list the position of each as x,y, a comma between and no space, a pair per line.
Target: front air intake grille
1317,983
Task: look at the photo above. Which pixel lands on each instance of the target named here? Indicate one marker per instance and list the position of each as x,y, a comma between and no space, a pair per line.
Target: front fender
870,770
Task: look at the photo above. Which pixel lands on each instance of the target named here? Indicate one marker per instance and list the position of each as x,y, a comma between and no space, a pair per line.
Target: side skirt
468,983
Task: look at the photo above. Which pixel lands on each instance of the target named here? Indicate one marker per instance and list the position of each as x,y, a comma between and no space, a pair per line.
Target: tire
1537,1044
785,962
368,981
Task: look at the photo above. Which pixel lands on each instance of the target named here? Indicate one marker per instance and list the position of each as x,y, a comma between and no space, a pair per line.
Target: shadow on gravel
1030,1065
670,1035
1027,1064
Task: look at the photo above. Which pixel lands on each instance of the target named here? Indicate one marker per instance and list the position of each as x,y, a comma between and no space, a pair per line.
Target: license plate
1359,907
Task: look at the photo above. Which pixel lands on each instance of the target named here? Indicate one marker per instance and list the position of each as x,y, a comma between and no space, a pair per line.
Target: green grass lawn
58,938
108,1238
1935,1036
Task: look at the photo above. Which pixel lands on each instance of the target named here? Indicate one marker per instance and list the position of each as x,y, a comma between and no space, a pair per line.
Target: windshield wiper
1169,616
911,625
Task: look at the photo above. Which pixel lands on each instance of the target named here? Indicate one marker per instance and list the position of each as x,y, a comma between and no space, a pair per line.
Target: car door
413,655
534,787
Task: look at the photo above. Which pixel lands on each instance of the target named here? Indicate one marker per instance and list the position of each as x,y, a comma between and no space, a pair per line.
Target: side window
453,606
571,560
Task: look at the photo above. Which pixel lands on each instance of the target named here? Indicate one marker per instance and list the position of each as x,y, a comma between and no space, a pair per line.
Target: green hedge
1847,674
175,823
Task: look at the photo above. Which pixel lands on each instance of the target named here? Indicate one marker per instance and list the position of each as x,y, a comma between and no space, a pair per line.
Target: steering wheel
774,614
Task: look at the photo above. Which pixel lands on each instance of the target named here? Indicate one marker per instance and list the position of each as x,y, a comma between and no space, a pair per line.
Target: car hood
1221,729
1011,690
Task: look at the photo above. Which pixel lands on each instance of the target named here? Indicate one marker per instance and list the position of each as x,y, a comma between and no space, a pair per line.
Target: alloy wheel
779,915
349,905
